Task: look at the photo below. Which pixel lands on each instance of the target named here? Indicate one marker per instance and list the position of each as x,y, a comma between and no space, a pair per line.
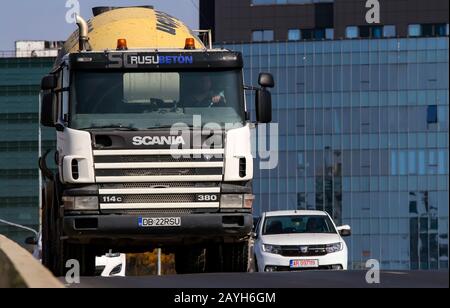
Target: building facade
280,20
363,134
362,110
19,121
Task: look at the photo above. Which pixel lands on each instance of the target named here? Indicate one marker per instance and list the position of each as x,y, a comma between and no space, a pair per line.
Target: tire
55,251
236,257
190,260
214,259
50,240
84,254
46,242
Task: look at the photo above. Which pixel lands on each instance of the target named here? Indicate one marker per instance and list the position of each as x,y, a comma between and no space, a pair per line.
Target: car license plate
304,263
155,222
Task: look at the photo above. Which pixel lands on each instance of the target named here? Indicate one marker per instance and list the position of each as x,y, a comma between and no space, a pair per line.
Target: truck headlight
80,203
334,247
274,249
232,201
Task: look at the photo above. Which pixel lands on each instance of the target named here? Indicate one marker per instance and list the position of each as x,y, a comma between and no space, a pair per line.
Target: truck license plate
159,222
304,263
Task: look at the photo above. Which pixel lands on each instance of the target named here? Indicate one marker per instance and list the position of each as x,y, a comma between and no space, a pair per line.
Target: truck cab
153,148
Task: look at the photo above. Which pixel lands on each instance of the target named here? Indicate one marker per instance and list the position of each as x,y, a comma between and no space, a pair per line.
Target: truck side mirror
263,106
266,80
47,110
49,82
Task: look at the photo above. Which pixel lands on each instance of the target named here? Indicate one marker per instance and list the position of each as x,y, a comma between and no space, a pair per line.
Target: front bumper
195,228
281,263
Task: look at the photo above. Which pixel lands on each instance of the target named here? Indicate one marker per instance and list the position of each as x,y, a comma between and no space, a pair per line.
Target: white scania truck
153,145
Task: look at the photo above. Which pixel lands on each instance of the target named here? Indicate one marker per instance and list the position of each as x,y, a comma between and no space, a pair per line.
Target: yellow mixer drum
142,27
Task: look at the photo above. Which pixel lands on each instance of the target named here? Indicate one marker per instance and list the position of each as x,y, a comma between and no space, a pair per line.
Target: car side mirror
266,80
49,82
263,106
47,110
344,231
255,235
31,240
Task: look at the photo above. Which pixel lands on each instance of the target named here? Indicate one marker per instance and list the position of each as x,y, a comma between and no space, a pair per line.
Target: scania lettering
148,140
124,181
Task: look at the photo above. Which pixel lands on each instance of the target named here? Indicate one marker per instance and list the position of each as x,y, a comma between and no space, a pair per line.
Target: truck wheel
190,260
84,255
55,251
236,258
214,258
50,239
46,247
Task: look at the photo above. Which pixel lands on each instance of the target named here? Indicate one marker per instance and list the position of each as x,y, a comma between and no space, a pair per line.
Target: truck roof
155,60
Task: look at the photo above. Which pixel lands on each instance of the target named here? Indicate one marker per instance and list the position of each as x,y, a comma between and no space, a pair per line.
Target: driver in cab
204,96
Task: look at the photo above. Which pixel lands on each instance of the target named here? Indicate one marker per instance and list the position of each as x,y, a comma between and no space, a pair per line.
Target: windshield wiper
117,127
164,127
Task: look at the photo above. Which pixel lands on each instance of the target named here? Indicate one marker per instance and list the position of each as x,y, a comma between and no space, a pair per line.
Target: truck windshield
298,224
145,100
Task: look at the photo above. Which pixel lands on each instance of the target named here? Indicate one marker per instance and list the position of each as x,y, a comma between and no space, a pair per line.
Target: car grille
303,251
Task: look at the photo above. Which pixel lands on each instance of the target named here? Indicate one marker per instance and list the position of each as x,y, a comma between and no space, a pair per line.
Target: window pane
329,33
415,30
364,31
268,35
352,32
377,32
422,167
307,34
412,162
427,30
257,36
389,31
394,163
432,115
294,35
441,30
319,34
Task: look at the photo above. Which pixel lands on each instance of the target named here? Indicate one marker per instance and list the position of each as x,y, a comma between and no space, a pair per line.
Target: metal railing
47,53
8,223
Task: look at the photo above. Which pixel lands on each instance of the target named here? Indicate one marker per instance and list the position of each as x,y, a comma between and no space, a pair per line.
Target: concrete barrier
18,268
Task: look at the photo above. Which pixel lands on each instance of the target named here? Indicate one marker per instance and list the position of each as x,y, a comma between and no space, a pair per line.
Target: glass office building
363,134
19,181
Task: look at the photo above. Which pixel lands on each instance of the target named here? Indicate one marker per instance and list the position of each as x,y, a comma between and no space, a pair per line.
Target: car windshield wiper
117,127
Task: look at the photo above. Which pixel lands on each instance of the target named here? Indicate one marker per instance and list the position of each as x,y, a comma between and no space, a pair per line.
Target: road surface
307,279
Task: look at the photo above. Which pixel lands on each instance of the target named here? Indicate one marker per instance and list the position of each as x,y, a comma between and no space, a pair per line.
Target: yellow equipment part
143,28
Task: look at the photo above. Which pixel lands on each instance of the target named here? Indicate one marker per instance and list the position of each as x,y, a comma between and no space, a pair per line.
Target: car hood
301,239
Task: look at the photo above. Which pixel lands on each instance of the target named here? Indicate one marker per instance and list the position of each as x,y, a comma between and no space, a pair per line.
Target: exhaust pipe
83,33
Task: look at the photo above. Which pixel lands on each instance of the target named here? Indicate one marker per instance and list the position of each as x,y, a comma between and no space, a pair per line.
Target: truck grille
150,180
158,172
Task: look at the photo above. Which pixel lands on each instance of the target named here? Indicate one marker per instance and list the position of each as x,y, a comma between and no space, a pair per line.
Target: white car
300,240
111,265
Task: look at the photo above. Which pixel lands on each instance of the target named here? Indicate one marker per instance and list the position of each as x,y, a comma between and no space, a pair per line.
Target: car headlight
80,203
272,249
334,247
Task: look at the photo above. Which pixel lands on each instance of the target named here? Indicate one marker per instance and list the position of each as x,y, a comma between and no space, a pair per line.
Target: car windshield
143,100
298,225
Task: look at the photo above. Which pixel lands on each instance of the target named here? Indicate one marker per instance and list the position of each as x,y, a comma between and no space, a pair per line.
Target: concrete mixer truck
153,145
